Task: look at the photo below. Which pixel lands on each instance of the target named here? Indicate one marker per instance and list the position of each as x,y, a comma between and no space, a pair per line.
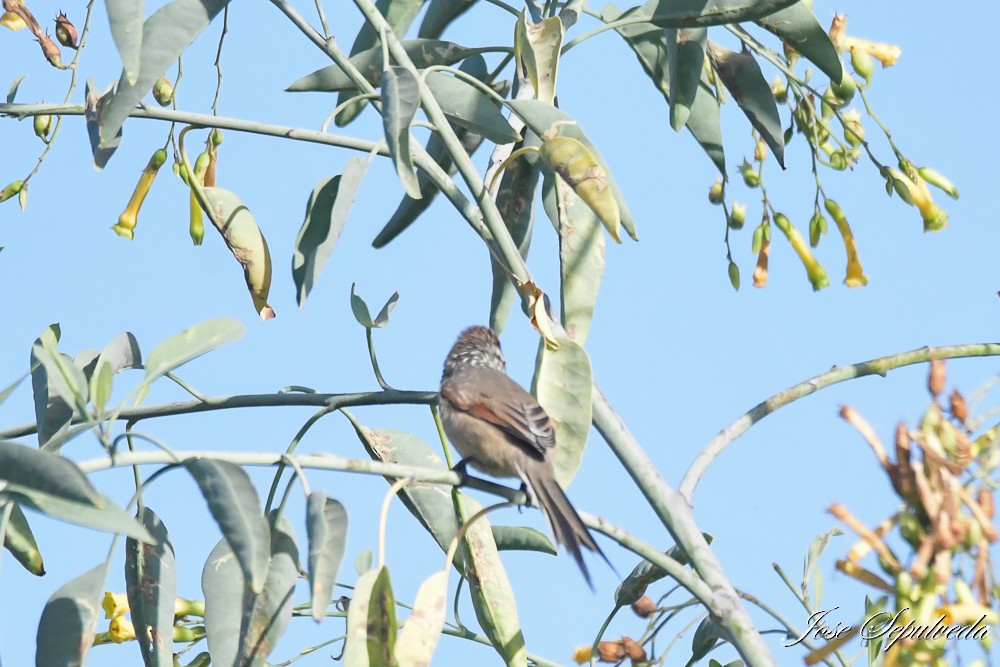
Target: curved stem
879,366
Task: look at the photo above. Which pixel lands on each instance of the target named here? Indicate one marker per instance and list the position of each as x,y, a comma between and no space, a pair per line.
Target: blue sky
677,351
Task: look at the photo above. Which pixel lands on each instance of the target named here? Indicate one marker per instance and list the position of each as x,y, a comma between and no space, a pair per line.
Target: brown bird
500,429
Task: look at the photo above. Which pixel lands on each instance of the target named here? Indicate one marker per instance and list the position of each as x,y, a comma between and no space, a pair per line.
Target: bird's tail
567,526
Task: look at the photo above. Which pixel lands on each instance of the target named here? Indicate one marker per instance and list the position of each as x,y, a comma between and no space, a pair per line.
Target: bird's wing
505,404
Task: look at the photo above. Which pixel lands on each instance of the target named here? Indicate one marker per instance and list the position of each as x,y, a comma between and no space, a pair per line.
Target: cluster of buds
947,514
911,184
121,629
616,651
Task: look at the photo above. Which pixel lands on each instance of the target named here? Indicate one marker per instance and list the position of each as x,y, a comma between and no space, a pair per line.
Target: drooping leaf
106,516
399,14
326,526
401,99
20,541
272,608
102,146
742,77
440,14
797,26
515,201
63,376
409,208
686,56
468,107
706,636
121,353
563,384
423,52
235,506
165,36
542,117
185,346
650,47
581,255
382,318
356,641
522,538
704,13
52,413
125,17
245,240
326,215
360,309
537,49
420,634
382,622
226,596
66,628
15,84
151,586
22,467
9,389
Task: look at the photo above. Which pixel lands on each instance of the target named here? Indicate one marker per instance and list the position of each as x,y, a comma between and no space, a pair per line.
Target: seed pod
129,217
644,607
863,64
633,649
42,124
574,162
196,226
717,192
51,51
959,410
610,651
734,275
937,377
65,31
163,91
939,181
10,190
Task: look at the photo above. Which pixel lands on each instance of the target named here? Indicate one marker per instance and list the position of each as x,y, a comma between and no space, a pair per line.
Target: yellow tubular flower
114,604
129,217
855,274
121,630
815,271
915,192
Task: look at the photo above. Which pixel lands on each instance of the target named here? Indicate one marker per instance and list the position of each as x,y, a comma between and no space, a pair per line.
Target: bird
500,429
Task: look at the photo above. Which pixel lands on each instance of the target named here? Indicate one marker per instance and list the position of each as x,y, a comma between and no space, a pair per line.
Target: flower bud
42,124
750,177
779,90
855,276
817,227
760,271
959,410
760,151
854,131
939,181
734,275
163,91
22,197
581,654
937,377
845,89
10,190
738,216
215,136
839,160
65,31
863,64
758,239
814,270
717,192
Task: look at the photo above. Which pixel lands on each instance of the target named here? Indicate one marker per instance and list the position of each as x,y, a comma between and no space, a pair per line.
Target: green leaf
360,310
581,255
52,413
20,541
650,47
382,318
440,14
399,14
542,116
742,77
401,99
522,538
686,56
706,636
326,215
563,384
356,642
122,353
243,237
100,386
409,208
645,573
424,52
382,622
22,468
126,18
420,634
797,26
66,628
467,106
363,561
225,591
704,13
235,506
326,526
5,394
102,147
165,36
185,346
516,202
16,83
272,608
151,586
